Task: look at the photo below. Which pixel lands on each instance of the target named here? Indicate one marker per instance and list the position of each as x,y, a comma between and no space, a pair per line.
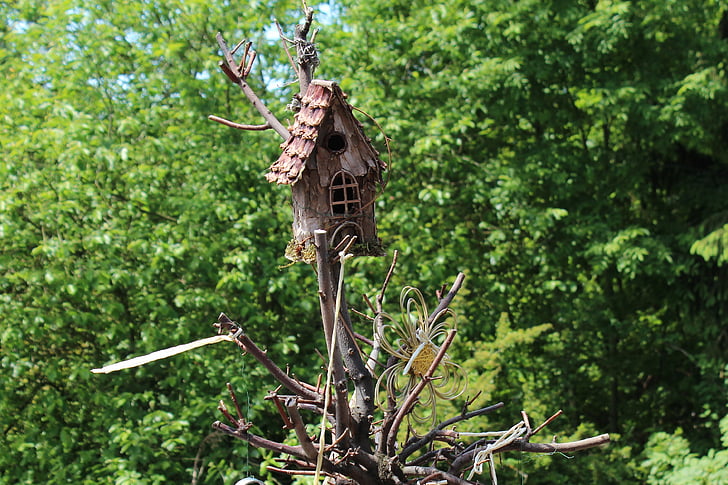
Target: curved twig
239,126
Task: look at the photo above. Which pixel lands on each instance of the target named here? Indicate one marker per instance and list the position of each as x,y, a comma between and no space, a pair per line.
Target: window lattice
344,191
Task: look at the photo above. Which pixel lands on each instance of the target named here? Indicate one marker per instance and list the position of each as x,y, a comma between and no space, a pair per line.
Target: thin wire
247,418
520,468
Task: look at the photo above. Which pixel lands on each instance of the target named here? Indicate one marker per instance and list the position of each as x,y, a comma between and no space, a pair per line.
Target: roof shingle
298,148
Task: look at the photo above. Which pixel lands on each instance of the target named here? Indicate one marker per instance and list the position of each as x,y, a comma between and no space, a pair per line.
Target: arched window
344,194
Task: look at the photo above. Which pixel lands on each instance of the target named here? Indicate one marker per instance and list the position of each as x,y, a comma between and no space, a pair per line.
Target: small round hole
336,142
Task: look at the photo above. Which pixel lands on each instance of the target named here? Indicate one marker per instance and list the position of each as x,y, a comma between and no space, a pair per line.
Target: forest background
571,157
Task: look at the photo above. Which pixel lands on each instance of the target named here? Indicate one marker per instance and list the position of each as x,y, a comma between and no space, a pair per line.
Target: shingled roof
315,106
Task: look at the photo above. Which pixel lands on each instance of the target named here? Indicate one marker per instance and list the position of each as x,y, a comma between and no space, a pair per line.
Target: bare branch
237,75
223,409
234,399
568,447
527,422
260,442
239,126
297,424
287,424
245,343
447,299
470,414
465,459
547,422
302,30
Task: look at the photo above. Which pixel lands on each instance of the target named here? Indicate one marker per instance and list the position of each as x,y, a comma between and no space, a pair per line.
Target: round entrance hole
336,142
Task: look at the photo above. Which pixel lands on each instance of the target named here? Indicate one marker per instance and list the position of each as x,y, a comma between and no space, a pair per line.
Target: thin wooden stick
239,126
234,399
527,422
447,299
377,346
547,422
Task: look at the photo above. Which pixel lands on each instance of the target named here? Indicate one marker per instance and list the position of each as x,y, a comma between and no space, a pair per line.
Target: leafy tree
670,461
127,220
569,156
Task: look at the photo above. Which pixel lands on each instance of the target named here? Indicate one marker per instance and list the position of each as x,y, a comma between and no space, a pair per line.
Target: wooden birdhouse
334,173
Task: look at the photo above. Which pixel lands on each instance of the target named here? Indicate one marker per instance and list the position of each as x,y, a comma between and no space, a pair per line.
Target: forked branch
238,72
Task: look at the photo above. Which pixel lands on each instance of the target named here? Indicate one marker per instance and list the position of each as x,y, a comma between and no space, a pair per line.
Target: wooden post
327,303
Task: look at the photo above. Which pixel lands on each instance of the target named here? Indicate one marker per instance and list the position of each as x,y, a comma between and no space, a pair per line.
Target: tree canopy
570,157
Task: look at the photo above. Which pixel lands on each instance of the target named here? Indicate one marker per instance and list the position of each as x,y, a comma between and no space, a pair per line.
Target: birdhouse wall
312,210
357,157
310,206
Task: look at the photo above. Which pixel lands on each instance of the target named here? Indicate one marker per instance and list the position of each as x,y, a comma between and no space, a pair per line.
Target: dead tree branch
260,442
239,126
568,447
245,343
297,423
238,72
466,458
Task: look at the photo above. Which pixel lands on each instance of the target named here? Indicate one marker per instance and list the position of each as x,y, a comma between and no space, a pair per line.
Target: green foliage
498,364
670,461
570,157
713,246
127,222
